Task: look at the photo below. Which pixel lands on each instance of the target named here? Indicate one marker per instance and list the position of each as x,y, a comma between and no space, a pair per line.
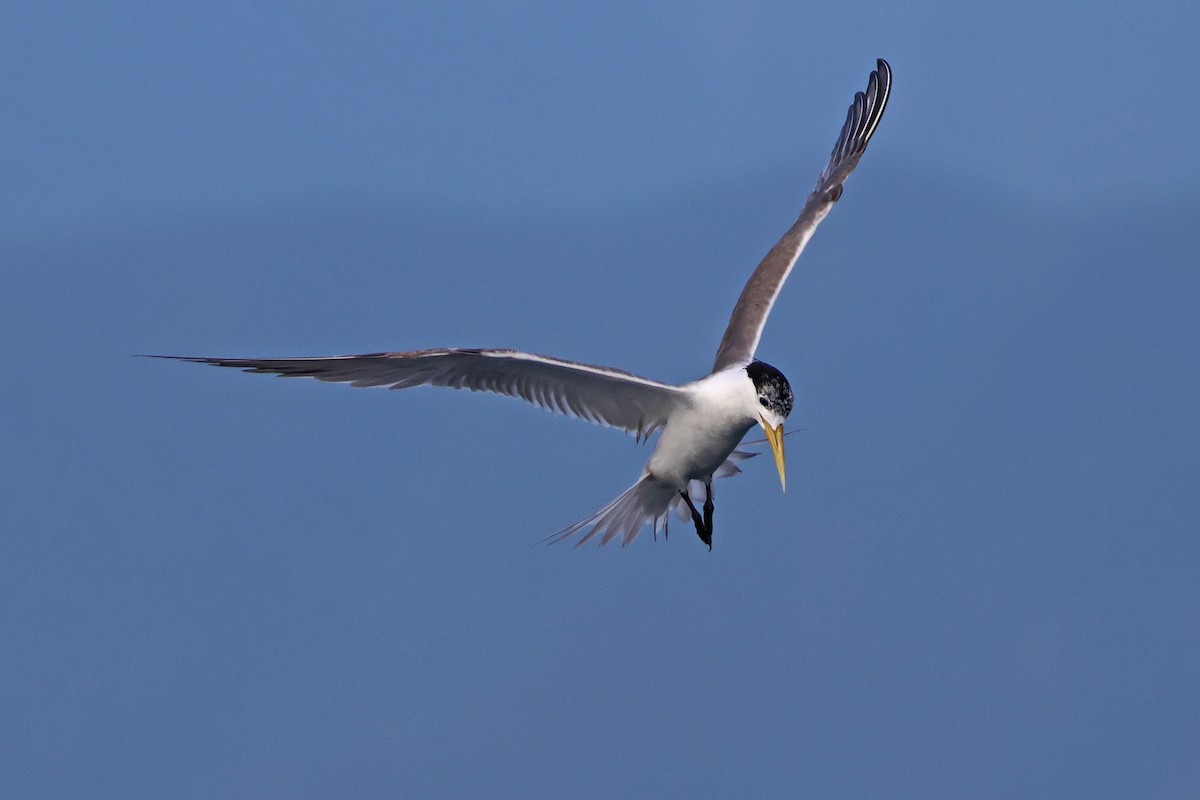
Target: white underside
697,444
706,427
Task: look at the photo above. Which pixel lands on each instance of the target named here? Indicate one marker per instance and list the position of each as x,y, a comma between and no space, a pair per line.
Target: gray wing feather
754,305
599,394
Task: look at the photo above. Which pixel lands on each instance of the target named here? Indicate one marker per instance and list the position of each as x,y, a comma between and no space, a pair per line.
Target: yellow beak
775,438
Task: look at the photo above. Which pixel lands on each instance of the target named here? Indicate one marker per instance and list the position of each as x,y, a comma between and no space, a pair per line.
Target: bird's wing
754,305
600,394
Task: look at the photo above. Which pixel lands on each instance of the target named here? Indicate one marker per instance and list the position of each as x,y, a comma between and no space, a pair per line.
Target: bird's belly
693,449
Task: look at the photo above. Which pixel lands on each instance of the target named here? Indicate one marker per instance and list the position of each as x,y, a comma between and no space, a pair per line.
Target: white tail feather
648,500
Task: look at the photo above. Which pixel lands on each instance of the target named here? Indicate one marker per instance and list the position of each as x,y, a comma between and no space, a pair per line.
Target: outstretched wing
599,394
754,305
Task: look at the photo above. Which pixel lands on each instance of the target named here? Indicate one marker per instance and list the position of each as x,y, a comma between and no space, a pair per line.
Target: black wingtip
191,359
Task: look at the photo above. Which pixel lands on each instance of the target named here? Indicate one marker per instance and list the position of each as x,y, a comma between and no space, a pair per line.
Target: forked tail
648,500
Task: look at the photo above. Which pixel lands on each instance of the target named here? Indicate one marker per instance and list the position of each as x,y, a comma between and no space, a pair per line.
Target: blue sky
982,581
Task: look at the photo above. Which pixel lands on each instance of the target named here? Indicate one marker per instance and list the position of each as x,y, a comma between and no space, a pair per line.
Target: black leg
704,531
708,512
696,518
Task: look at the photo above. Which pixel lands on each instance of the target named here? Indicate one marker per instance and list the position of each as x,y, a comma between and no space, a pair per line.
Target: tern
699,424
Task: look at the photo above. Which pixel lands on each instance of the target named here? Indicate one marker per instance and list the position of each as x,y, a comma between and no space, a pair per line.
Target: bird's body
698,442
700,424
710,421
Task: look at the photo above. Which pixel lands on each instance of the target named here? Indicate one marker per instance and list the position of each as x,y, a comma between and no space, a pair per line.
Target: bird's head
774,396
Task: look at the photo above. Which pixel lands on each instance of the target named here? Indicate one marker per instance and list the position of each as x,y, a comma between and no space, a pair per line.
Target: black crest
774,391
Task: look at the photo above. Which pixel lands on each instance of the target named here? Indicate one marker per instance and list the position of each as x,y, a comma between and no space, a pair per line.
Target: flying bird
700,424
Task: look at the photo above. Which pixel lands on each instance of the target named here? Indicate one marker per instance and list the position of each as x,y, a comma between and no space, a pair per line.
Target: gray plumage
701,422
603,395
754,305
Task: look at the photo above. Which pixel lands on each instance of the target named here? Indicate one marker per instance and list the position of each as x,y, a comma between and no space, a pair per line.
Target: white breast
701,434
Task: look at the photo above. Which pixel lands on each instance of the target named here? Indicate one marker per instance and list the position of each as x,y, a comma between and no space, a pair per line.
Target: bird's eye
762,401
